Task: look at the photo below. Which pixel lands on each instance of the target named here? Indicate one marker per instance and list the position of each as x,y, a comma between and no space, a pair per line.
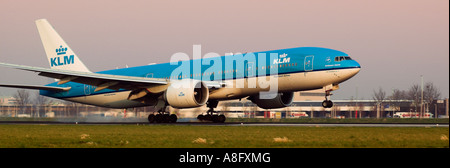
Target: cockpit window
342,58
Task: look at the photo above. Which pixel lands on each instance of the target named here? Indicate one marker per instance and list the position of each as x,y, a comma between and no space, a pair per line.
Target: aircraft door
87,89
309,62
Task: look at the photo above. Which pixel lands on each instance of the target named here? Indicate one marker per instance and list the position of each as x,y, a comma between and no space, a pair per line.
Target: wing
51,88
102,81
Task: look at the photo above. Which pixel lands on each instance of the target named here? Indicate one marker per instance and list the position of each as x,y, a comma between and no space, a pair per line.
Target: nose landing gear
327,103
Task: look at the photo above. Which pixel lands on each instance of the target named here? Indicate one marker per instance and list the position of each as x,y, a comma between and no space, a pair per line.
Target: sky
395,41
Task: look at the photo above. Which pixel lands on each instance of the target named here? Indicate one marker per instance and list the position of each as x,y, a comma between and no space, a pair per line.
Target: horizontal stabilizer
36,87
94,79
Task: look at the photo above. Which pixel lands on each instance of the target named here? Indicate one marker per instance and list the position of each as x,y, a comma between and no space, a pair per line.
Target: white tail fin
59,54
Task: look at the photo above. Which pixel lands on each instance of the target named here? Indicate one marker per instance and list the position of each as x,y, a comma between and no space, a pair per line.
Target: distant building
7,100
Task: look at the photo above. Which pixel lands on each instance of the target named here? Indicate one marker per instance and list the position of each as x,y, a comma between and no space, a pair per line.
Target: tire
324,104
327,104
208,117
158,118
166,118
330,104
215,118
173,118
200,117
221,118
151,118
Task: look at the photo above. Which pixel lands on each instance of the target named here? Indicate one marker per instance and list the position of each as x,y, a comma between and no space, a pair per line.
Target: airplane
267,78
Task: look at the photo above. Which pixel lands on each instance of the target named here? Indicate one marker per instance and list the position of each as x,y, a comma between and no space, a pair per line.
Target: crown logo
61,50
181,94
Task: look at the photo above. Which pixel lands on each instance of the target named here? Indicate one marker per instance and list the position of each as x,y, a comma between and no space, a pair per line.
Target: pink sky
395,41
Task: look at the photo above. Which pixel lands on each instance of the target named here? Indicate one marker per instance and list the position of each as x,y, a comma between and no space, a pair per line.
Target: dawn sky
395,41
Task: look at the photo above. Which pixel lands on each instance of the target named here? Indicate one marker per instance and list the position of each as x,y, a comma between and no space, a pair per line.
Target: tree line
414,93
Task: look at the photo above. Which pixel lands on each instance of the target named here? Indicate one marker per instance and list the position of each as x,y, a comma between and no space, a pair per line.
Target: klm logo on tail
65,60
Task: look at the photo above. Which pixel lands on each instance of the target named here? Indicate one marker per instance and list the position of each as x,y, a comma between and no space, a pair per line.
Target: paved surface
343,125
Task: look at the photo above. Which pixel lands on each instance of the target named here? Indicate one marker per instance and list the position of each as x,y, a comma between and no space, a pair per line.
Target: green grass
195,136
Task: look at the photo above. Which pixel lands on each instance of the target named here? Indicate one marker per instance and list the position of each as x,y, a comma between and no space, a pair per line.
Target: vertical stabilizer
59,54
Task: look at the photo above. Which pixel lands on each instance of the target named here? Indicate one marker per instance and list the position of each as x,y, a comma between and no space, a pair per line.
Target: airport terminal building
309,104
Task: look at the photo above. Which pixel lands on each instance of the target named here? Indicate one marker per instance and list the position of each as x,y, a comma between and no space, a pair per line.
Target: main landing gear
210,116
162,117
327,103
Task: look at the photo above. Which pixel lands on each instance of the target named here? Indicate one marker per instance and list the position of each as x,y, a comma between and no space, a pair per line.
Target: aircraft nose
357,68
356,65
354,68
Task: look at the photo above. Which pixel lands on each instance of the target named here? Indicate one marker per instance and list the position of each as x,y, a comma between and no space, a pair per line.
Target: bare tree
430,94
398,94
414,94
396,97
379,96
41,102
22,99
71,108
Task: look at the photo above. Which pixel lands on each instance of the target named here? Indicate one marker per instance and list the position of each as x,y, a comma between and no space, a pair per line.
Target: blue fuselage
266,63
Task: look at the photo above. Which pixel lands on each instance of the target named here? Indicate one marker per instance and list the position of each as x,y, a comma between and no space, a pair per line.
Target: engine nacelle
186,94
281,100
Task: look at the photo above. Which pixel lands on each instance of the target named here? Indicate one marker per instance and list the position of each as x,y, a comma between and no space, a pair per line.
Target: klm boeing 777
267,78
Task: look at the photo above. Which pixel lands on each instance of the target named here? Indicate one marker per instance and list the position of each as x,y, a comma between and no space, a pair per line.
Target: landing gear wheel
327,104
158,118
207,117
173,118
215,118
151,118
165,118
221,118
210,116
201,117
162,117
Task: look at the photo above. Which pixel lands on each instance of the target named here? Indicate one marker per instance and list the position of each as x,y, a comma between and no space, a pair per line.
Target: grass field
197,136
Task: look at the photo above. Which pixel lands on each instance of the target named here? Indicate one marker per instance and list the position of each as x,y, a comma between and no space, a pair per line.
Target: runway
233,124
341,125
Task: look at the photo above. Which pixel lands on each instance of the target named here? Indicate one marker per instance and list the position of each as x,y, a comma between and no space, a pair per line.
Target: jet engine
186,94
281,100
